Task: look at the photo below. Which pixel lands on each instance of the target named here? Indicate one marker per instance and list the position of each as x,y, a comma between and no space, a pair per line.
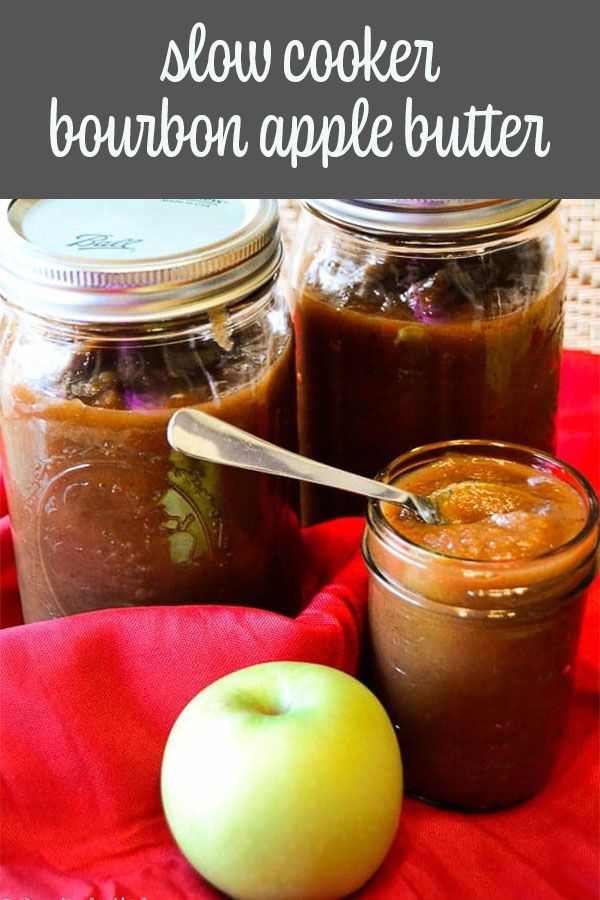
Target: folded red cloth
87,703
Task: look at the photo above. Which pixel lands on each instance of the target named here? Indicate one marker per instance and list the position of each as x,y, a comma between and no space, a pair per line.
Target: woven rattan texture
582,222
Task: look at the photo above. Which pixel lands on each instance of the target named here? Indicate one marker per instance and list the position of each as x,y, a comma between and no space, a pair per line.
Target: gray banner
105,59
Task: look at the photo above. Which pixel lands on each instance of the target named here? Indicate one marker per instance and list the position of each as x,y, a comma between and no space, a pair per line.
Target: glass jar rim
441,220
194,322
381,527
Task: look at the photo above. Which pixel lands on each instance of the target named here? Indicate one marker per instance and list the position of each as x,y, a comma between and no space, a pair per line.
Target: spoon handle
201,436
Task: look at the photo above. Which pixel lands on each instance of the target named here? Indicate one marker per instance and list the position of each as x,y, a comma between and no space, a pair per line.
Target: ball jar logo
103,242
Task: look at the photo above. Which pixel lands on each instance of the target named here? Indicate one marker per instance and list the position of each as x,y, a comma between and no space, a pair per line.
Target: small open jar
474,658
116,313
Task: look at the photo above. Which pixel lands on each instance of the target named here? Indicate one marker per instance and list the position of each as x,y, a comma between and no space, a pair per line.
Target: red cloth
87,703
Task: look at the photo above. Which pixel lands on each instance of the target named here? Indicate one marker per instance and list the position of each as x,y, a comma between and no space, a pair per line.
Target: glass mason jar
117,312
424,320
474,659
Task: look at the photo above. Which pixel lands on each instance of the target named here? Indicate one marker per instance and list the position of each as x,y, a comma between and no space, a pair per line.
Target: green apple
283,781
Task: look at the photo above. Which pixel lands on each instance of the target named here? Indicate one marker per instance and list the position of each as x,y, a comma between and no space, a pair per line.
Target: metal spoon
205,437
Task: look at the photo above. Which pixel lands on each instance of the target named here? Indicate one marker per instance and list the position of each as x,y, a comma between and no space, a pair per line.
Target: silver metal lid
438,218
110,261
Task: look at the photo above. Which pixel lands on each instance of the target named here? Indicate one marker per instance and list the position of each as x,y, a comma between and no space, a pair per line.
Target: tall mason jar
424,320
116,313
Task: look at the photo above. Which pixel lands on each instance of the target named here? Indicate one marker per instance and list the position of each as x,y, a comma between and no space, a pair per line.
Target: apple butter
474,623
104,513
492,509
417,324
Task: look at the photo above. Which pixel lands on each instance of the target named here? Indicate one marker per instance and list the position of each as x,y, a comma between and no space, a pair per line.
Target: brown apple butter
492,509
105,514
474,623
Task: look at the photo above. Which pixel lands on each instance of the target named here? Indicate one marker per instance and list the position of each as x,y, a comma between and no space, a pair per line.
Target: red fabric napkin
87,703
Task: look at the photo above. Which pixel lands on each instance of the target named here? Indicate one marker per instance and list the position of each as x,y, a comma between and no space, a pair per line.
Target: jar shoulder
221,355
422,282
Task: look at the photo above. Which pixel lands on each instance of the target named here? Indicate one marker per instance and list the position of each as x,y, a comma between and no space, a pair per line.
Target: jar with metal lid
474,622
424,320
117,312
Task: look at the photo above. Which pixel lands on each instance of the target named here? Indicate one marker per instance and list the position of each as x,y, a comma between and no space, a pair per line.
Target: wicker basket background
582,222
